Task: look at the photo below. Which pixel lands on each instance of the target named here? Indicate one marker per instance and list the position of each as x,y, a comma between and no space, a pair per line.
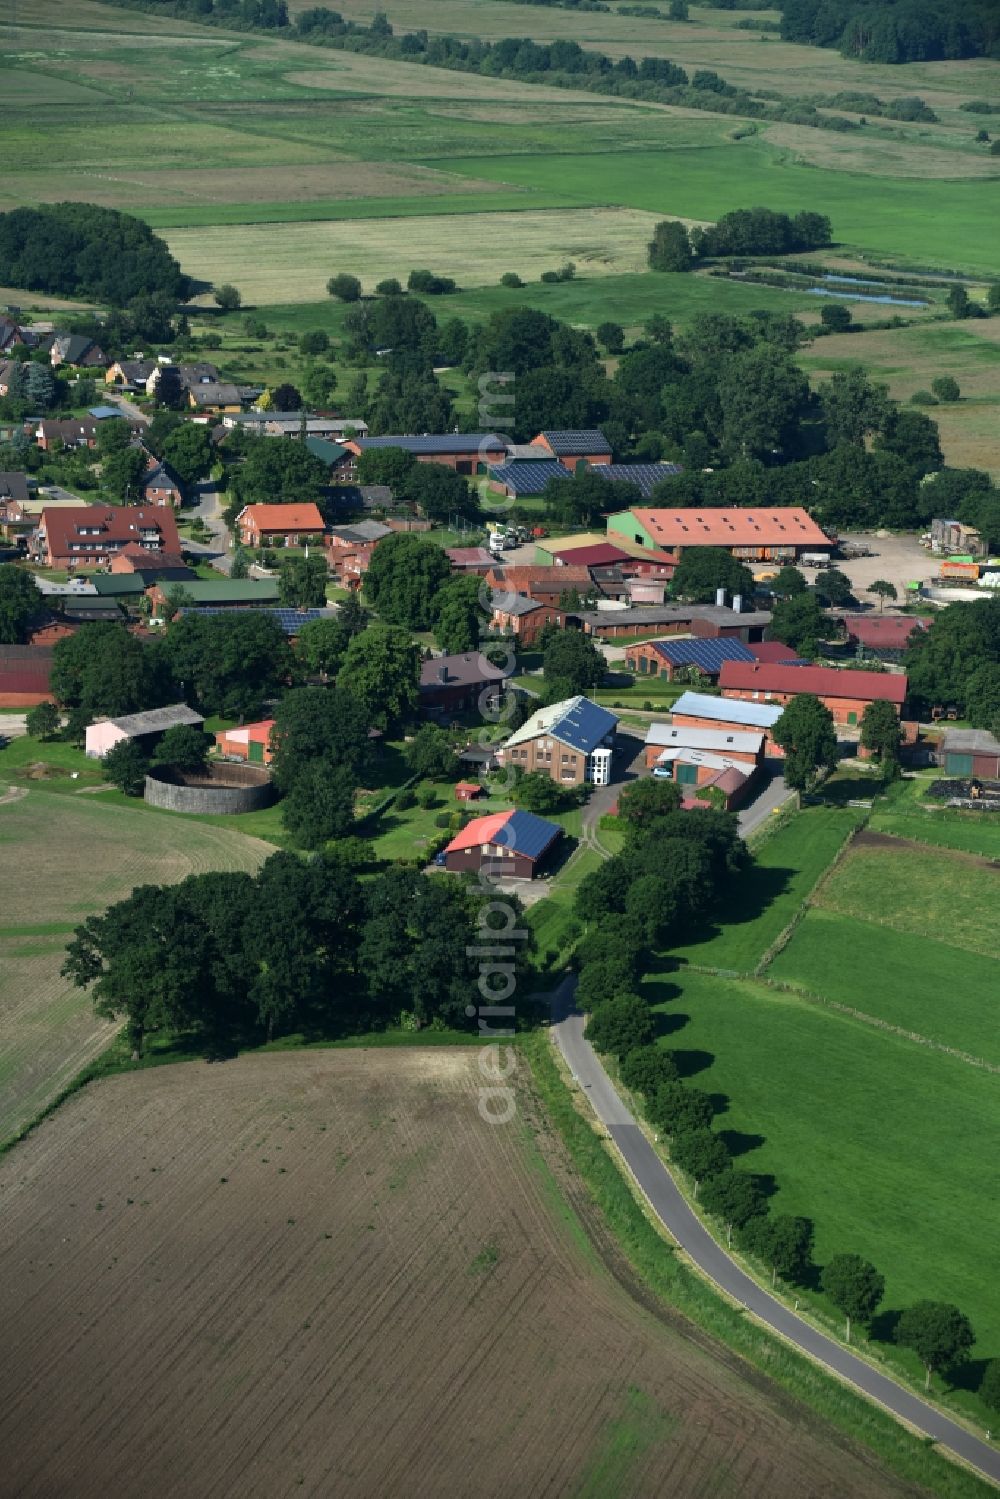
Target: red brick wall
840,707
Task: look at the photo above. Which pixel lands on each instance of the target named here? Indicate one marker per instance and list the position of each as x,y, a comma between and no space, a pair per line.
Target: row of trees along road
673,870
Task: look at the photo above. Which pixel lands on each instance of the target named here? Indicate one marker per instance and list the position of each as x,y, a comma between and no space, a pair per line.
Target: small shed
468,791
970,752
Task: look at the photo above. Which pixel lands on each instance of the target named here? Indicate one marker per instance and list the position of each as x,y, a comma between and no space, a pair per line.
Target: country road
689,1233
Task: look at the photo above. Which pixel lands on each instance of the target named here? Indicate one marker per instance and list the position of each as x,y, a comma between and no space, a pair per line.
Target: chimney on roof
738,603
442,673
720,598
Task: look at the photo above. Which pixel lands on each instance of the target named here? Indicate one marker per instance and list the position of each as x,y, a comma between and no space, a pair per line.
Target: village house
160,485
70,432
75,348
201,373
250,742
461,682
10,333
754,534
677,749
214,396
667,658
571,741
280,525
146,729
151,567
92,535
524,618
349,549
130,374
545,585
846,693
502,845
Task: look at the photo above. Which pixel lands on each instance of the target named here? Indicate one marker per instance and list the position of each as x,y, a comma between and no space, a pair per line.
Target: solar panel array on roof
579,441
584,726
707,655
528,477
290,620
527,834
645,476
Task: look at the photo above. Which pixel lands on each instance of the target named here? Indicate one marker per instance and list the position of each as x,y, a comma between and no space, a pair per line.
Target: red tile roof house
24,675
884,636
846,693
279,525
543,584
89,535
456,682
508,845
250,742
470,559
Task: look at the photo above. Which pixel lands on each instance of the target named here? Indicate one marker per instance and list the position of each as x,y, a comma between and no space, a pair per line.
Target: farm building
88,535
970,752
774,534
883,637
846,693
470,559
24,675
279,525
571,741
505,845
705,621
224,593
679,746
250,742
545,585
290,424
465,452
152,567
645,476
145,728
289,620
699,710
564,550
524,478
524,618
573,447
456,682
665,658
775,651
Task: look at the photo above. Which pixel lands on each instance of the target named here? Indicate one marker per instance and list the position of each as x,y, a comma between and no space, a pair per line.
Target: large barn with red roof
771,533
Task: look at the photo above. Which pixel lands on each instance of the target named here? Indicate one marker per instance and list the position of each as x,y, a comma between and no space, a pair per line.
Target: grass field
884,1143
914,890
757,910
413,1296
947,994
74,856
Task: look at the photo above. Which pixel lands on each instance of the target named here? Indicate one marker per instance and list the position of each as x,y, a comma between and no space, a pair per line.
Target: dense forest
895,31
81,250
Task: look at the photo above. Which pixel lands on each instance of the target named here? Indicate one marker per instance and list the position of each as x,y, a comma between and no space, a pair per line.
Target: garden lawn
756,910
951,896
913,982
887,1145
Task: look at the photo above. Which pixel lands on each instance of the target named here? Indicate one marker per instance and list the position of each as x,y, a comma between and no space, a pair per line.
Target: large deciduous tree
806,733
20,602
703,570
382,669
403,579
854,1286
939,1334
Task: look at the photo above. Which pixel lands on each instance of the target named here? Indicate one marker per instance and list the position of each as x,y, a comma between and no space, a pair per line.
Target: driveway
209,509
664,1197
128,408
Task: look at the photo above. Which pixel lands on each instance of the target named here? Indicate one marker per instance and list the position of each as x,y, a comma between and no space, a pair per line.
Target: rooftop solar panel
290,620
707,655
528,477
527,834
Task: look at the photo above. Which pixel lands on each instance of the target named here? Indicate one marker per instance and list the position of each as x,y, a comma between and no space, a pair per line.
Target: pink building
146,728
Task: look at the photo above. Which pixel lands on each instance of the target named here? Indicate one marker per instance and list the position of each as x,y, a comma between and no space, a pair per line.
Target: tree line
674,869
223,961
82,250
562,64
894,31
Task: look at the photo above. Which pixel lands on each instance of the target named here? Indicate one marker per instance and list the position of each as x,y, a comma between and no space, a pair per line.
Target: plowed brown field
324,1274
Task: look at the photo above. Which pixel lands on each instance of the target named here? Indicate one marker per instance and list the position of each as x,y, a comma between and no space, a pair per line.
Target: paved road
773,794
685,1228
129,409
209,507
